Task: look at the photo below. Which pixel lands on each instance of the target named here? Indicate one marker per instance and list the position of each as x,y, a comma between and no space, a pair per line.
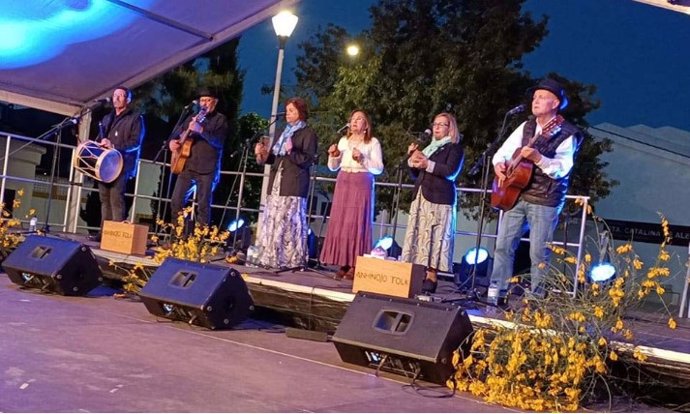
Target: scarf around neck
434,146
279,147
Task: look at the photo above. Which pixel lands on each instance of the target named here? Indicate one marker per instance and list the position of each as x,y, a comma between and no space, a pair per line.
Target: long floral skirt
430,234
284,228
349,227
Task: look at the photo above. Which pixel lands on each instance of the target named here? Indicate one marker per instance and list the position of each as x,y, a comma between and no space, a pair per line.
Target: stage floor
100,354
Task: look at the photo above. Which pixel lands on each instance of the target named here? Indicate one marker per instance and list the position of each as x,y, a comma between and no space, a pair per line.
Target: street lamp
352,50
283,24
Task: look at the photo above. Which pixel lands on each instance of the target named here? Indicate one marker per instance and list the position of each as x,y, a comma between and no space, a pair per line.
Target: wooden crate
124,238
388,277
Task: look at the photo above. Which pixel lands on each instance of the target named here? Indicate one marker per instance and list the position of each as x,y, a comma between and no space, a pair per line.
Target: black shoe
429,286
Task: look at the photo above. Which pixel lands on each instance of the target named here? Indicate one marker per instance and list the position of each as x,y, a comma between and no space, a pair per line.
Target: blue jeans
204,195
541,222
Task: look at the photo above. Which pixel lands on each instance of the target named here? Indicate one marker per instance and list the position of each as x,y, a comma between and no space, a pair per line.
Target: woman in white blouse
358,157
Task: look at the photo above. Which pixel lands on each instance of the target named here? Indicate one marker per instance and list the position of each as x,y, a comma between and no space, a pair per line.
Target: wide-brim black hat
555,88
207,91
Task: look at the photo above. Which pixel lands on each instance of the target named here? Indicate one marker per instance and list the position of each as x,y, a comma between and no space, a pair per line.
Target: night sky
637,55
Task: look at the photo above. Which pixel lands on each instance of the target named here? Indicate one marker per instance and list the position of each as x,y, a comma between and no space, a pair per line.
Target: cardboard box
388,277
124,238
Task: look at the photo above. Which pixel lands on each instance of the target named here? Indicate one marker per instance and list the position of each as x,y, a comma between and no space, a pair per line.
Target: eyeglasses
441,124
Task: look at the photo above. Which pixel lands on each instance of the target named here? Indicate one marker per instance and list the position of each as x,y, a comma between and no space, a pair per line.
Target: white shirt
556,167
371,153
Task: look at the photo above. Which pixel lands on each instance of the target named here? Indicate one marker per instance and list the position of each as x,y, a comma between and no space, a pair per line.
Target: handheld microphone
424,137
343,128
516,110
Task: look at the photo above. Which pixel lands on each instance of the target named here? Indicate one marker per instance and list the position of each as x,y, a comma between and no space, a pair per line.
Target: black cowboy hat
207,91
555,88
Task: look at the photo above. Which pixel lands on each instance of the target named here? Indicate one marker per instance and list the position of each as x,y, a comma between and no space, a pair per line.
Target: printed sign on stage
388,277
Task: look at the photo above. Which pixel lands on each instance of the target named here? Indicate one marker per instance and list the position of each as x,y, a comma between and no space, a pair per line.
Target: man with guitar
196,155
532,171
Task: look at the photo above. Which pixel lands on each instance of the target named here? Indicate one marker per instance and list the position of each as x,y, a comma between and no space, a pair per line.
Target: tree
422,57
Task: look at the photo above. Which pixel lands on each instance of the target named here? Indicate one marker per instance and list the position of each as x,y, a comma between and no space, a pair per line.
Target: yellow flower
664,256
570,260
541,266
20,192
637,264
514,279
602,342
637,353
626,248
598,312
557,249
672,323
614,356
588,257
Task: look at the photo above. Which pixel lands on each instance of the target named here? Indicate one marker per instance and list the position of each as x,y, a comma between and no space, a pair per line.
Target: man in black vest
122,129
540,203
203,165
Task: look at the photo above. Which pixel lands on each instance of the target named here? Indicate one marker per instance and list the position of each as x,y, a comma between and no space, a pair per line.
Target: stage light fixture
235,225
479,258
602,272
391,247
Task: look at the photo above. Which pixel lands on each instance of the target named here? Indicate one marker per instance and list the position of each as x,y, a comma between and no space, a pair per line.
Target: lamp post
283,24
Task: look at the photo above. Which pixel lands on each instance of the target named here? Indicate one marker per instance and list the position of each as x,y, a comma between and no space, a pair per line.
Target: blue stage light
602,272
34,31
480,255
235,224
384,242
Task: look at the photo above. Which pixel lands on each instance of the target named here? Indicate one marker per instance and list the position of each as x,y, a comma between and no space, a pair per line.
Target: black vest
542,189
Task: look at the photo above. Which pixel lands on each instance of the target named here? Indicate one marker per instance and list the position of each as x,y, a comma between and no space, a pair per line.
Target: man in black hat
207,134
549,143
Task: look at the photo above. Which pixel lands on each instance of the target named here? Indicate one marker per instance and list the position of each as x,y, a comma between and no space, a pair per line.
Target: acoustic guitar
505,193
179,157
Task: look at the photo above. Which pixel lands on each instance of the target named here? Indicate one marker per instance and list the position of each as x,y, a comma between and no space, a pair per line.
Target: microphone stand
57,131
164,150
483,164
396,195
244,160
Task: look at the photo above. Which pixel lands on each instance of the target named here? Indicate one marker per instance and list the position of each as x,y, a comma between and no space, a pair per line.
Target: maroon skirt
349,231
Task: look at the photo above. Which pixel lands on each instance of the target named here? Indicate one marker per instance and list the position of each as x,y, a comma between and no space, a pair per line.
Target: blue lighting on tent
34,31
480,255
235,225
602,272
385,242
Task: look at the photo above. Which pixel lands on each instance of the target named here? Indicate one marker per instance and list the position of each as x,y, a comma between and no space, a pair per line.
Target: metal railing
74,193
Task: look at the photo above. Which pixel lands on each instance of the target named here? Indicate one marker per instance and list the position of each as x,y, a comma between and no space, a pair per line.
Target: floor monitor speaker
53,264
207,295
404,336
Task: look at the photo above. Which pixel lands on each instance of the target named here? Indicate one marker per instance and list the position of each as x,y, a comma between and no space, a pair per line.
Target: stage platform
304,299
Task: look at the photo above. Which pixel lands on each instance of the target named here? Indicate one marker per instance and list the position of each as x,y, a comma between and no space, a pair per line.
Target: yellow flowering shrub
9,238
203,244
558,347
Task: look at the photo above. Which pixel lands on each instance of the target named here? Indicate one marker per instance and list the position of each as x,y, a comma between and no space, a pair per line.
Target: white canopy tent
58,55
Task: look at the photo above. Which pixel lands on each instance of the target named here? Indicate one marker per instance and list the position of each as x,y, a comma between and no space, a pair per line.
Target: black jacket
439,187
126,133
208,146
295,177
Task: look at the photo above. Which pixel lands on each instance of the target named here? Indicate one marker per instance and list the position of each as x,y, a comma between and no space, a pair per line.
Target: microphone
343,128
424,137
277,114
102,101
193,103
516,110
